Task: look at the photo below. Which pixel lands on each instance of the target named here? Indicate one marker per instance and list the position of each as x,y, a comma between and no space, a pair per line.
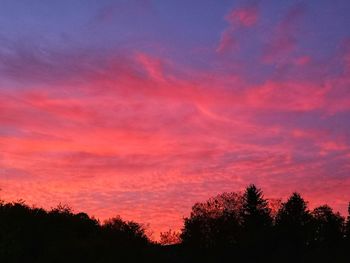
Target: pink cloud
151,65
284,37
303,60
138,139
227,42
244,16
290,96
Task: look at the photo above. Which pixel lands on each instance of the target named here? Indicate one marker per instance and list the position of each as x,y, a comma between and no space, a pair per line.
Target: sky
142,108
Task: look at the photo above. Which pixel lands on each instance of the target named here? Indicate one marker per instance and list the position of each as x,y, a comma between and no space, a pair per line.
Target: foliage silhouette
231,227
328,226
35,235
169,238
242,228
256,224
214,223
294,218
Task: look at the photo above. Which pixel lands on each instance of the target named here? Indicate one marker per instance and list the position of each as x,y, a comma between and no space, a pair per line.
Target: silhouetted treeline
35,235
231,227
243,227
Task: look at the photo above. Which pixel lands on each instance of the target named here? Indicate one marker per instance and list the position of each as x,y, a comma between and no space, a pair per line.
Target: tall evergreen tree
294,226
256,213
256,222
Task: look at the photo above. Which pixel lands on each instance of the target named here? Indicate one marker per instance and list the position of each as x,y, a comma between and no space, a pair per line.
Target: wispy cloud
237,19
284,38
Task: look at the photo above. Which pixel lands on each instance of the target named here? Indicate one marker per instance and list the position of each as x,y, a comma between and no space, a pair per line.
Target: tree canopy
235,226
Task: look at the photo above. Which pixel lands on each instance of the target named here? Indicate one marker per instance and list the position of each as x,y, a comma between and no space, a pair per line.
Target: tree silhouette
229,227
294,227
169,238
125,231
347,226
35,235
256,211
257,221
213,229
328,226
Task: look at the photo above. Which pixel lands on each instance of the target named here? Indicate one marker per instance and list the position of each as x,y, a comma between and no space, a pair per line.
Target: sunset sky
142,108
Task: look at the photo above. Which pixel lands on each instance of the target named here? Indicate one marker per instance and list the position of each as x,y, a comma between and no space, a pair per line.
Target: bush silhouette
35,235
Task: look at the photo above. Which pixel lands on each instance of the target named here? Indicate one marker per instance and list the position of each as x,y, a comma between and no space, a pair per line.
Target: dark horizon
274,205
239,227
154,236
